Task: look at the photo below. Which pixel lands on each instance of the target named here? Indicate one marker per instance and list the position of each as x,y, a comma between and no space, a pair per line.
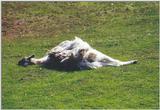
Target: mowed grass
123,30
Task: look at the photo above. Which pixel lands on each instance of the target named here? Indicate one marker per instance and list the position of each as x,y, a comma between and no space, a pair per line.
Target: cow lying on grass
74,54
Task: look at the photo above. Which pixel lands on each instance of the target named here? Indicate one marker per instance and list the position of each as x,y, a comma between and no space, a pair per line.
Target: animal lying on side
74,54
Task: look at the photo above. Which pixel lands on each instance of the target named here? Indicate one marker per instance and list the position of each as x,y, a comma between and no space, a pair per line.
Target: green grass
123,30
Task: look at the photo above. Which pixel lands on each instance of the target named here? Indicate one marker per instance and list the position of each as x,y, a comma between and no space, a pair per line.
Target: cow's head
25,61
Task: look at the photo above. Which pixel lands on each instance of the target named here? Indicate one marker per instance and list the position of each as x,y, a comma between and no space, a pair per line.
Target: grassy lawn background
123,30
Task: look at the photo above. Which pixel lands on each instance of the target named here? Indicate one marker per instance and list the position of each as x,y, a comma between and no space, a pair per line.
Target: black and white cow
74,54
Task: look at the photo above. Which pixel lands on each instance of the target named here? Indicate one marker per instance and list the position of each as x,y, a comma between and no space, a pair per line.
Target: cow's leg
61,47
109,61
128,62
101,64
117,63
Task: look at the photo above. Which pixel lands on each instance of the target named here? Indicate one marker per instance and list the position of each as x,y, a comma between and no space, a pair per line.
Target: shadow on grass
59,68
54,63
65,67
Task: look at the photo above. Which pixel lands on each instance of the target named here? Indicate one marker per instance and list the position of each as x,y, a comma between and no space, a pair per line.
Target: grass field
123,30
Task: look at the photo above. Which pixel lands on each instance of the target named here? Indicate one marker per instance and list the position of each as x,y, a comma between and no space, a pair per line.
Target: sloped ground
123,30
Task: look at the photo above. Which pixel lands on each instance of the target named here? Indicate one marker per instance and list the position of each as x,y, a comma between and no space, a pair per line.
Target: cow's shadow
68,66
54,63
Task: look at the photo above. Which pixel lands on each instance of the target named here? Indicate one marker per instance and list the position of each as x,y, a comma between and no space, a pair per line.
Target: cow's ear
32,56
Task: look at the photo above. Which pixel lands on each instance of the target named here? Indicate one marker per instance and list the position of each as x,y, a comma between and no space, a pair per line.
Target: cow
74,54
